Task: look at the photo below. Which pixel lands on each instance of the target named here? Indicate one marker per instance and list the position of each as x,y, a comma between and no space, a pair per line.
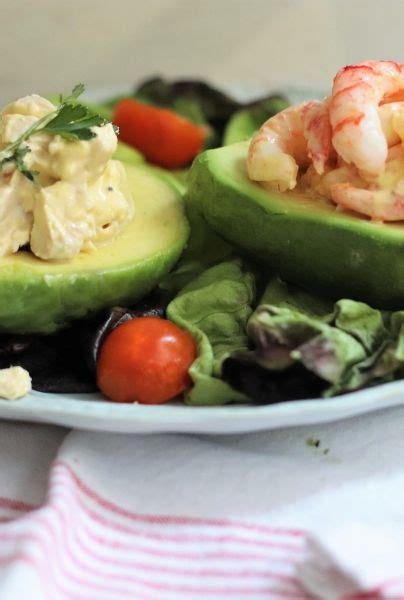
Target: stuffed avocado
41,296
307,241
317,194
79,231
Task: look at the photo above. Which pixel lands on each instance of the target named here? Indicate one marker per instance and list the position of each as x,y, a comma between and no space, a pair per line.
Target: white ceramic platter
90,411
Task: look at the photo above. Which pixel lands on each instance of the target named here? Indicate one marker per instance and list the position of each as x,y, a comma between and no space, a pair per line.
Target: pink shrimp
317,131
379,205
357,134
289,140
392,122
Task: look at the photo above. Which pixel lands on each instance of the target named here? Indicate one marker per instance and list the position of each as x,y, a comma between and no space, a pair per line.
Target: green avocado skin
33,305
306,241
34,300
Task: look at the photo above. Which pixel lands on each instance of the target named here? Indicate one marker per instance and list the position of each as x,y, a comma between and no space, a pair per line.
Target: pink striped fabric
83,547
79,545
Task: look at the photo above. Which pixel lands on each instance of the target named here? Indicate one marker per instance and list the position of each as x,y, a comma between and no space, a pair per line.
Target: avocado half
306,241
38,296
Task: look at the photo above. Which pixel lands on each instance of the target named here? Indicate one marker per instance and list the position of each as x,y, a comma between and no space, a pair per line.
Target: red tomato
162,136
145,360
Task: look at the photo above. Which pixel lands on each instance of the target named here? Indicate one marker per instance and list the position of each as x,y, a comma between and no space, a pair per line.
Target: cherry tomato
145,360
162,136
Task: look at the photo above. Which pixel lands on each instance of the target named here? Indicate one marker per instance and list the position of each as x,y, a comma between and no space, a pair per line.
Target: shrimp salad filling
347,148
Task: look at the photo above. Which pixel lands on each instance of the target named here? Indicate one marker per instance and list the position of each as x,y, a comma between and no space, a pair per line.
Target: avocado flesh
306,241
38,296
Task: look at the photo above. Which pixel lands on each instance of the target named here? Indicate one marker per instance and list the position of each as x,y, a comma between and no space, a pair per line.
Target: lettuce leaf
335,348
295,345
215,307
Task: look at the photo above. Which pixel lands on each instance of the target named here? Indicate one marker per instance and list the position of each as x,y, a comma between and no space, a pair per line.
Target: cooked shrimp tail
278,149
289,140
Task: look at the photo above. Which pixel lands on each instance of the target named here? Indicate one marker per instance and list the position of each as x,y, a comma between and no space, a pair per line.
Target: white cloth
93,516
354,556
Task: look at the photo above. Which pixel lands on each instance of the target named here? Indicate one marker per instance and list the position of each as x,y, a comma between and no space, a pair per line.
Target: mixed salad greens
258,338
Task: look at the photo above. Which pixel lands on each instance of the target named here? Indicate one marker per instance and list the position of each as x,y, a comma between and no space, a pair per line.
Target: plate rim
88,411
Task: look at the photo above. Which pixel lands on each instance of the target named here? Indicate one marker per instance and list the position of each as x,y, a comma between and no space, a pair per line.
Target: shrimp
392,122
321,185
379,203
317,131
277,150
289,140
357,133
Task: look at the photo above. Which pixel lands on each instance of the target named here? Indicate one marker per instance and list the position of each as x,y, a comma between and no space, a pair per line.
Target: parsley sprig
70,119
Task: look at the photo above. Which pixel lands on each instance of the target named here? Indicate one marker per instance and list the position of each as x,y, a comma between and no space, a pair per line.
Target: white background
49,45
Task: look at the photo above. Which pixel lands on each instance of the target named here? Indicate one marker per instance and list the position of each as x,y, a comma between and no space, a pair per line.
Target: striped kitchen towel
94,516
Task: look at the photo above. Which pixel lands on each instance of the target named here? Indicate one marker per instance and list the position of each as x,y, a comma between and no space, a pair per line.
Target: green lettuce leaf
302,345
347,345
385,361
215,307
323,349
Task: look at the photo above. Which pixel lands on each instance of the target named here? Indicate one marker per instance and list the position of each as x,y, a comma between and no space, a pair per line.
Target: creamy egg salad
15,382
75,204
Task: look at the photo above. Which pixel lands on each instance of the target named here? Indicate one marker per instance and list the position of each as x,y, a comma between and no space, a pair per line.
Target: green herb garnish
70,119
18,158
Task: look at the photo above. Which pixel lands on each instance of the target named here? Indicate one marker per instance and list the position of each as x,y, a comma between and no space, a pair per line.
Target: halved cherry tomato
145,360
162,136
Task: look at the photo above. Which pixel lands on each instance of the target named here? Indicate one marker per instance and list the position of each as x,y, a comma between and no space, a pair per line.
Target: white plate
89,411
